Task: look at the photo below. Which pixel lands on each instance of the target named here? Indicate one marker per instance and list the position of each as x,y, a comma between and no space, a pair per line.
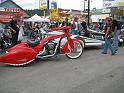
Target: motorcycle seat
33,43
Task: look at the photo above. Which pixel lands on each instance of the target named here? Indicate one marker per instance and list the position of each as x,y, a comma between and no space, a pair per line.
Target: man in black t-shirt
108,37
14,30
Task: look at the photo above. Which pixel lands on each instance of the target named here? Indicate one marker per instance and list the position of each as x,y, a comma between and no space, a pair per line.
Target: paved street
92,73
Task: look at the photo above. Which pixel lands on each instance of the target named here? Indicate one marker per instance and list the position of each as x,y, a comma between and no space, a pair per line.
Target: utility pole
88,22
84,5
87,10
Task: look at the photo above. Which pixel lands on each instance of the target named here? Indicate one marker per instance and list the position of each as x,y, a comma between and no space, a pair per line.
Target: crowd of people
77,27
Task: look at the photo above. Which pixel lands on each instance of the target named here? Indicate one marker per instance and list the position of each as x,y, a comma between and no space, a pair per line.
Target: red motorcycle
26,52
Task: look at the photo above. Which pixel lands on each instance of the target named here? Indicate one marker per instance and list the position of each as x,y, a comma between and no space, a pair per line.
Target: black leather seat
33,43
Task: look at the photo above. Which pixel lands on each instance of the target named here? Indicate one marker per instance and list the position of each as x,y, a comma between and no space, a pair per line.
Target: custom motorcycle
49,46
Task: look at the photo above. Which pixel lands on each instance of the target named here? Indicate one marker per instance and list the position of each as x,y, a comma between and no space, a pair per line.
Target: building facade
9,9
98,15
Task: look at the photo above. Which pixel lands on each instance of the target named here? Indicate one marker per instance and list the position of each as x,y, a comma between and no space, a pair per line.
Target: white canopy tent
36,18
47,19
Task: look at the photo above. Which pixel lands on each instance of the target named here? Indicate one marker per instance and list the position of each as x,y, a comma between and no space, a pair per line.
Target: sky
66,4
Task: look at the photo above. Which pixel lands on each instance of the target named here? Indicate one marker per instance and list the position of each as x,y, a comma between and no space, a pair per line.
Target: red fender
23,55
71,43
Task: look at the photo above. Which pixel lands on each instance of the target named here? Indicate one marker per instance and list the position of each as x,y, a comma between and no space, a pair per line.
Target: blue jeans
116,41
108,45
74,32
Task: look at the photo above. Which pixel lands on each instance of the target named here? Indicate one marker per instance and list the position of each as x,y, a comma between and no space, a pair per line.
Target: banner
10,9
6,17
54,14
43,4
113,3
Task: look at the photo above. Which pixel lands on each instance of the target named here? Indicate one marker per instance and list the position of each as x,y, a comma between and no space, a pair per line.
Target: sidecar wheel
77,51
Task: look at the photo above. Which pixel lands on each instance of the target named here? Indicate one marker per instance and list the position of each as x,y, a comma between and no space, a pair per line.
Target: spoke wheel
76,52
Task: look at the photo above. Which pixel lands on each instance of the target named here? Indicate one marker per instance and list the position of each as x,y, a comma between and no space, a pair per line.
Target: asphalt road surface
92,73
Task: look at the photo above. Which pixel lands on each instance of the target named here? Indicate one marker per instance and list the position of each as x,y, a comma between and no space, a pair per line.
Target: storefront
6,14
9,9
100,14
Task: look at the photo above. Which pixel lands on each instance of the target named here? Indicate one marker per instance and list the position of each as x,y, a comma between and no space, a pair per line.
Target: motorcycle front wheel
77,51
